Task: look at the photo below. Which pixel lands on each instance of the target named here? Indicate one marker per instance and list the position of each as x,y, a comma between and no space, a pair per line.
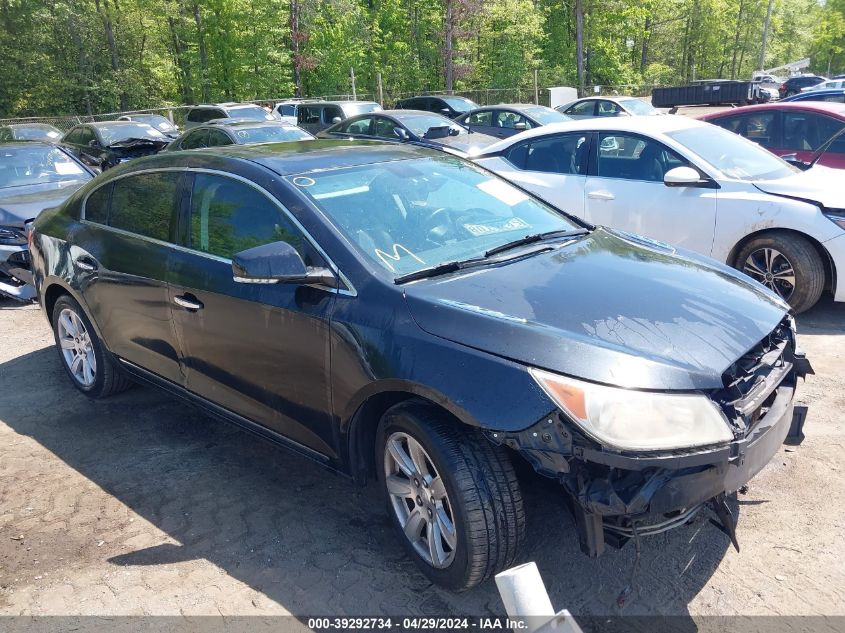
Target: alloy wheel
77,349
772,269
419,500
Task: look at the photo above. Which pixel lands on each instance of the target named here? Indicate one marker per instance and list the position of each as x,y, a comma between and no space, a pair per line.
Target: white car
694,185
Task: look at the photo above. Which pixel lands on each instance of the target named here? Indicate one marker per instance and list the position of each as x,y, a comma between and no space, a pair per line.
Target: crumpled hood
818,184
20,204
606,308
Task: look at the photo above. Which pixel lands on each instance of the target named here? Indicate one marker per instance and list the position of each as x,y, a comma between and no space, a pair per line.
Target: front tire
87,363
452,496
786,263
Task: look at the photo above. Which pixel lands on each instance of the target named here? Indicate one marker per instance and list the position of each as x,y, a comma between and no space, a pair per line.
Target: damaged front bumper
16,273
617,495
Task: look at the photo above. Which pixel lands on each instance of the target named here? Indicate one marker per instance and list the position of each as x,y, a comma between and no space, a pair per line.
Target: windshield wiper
531,239
440,269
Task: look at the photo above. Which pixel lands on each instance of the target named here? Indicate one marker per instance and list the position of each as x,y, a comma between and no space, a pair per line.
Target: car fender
743,212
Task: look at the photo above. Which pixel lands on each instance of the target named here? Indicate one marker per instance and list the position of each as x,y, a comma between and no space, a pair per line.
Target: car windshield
117,133
351,109
270,134
412,214
35,165
419,124
545,115
37,133
638,106
159,122
254,113
733,155
460,104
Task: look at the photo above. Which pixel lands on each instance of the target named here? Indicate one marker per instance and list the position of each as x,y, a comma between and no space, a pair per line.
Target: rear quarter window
97,205
144,204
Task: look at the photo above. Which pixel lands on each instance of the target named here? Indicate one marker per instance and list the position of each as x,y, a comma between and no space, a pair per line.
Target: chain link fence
483,97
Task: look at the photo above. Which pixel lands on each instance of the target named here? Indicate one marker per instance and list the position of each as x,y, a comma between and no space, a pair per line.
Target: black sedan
506,120
411,126
30,132
398,313
238,132
33,176
106,144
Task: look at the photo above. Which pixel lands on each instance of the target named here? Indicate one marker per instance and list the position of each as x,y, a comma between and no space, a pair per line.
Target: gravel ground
141,505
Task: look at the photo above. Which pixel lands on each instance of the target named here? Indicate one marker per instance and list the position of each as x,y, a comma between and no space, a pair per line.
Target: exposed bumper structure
16,273
619,495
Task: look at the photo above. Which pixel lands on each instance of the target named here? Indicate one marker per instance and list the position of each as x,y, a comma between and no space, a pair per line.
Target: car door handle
188,301
601,195
86,263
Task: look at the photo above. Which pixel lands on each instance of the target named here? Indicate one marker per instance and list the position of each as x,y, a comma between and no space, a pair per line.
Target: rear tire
775,258
462,480
88,364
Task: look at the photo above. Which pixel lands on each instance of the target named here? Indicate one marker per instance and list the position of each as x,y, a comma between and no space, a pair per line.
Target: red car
798,128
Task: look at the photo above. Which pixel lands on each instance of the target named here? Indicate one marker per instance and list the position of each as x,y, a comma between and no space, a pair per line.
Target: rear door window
97,205
361,127
145,204
482,118
218,138
760,127
562,154
582,108
607,108
309,114
194,140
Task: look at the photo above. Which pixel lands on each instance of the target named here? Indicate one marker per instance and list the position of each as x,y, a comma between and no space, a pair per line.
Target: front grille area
751,382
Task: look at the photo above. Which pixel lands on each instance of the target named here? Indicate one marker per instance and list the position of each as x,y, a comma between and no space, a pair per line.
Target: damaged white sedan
694,185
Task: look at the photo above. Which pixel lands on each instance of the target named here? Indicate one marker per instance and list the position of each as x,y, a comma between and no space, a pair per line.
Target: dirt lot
141,505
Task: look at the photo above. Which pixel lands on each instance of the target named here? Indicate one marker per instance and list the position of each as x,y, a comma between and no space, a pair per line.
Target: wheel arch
830,272
362,425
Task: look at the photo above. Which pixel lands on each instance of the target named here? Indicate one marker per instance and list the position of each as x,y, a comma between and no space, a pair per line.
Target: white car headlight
630,420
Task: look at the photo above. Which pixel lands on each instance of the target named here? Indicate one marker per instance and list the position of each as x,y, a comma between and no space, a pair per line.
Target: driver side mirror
277,263
336,119
401,133
793,160
93,143
683,177
520,126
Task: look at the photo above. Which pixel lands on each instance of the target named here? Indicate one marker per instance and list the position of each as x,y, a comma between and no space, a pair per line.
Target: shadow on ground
308,539
826,317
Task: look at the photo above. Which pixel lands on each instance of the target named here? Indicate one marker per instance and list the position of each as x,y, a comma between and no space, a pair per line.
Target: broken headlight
10,236
630,420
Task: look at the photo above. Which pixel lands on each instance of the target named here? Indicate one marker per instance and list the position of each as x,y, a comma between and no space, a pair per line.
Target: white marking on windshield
502,191
341,192
396,256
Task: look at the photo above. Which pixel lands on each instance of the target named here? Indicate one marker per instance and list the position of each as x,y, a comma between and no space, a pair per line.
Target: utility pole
380,92
765,36
352,74
537,89
579,44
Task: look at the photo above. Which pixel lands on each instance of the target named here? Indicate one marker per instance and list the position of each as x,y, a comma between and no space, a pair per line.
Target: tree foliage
88,56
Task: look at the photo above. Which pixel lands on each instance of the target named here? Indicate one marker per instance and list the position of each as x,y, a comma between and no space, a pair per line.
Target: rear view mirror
278,262
682,177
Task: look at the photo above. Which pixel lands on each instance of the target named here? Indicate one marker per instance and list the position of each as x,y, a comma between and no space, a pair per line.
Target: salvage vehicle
789,128
108,143
693,185
33,176
399,313
201,114
411,126
30,132
590,107
315,116
451,106
507,119
238,132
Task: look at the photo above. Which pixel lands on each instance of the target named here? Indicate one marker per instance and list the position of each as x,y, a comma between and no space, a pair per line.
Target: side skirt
142,375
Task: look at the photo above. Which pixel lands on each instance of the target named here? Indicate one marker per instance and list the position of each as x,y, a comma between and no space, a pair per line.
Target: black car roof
292,157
